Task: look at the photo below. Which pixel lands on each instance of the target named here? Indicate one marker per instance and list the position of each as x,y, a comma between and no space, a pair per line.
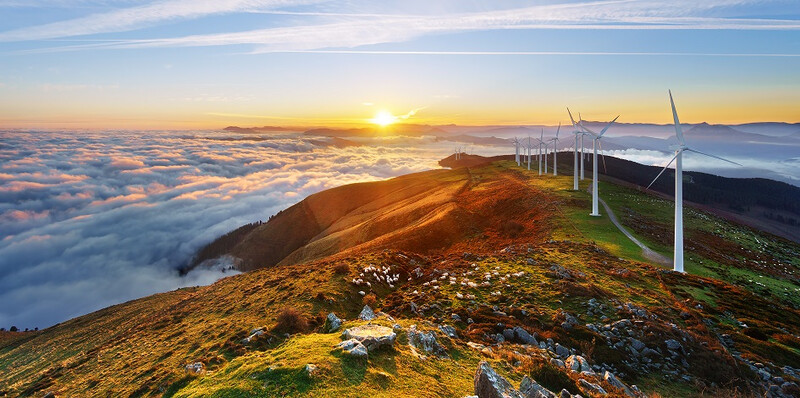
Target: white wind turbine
578,133
516,150
541,142
595,141
529,151
677,264
555,150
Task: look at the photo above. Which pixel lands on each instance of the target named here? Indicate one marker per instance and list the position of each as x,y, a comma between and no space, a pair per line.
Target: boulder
592,388
557,362
673,344
561,351
614,382
577,363
197,367
366,314
449,331
333,322
253,334
489,384
310,368
371,336
523,336
531,389
508,334
425,341
353,347
637,345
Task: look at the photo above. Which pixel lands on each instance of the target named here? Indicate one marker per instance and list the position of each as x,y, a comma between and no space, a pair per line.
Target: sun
383,118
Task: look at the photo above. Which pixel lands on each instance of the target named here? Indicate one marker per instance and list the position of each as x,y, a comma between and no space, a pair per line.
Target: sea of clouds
92,219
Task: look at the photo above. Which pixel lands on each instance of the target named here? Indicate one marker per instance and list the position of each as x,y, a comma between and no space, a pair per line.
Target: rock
49,394
371,336
384,315
673,344
455,317
557,362
531,389
310,368
197,367
614,382
579,364
637,345
253,334
366,314
397,328
592,388
561,351
523,336
353,347
508,334
564,394
425,341
648,352
333,322
489,384
449,331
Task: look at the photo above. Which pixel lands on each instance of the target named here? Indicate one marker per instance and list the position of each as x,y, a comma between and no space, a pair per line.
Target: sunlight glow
383,118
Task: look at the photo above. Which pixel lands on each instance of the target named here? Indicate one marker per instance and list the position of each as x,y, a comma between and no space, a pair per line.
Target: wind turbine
555,151
516,150
677,264
529,151
577,133
583,158
595,142
540,151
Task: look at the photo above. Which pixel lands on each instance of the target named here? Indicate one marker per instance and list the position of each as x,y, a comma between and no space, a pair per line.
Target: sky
195,64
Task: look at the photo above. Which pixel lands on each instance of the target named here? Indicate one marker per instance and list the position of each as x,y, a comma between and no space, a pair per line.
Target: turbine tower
595,141
677,262
583,158
540,151
516,150
555,151
577,133
529,151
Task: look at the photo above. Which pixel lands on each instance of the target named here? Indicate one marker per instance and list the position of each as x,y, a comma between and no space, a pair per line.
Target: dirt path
646,251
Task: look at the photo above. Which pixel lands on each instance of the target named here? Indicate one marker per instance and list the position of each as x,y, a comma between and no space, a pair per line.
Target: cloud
93,219
343,30
132,18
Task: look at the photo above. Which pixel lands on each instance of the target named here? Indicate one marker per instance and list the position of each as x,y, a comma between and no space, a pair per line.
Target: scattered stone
333,322
592,387
366,314
449,331
557,362
564,394
197,367
253,334
425,341
614,382
523,336
455,317
578,364
561,351
353,347
489,384
637,345
371,336
673,344
531,389
49,394
310,368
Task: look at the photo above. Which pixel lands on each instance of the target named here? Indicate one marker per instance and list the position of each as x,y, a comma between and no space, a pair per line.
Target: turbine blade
559,129
678,131
602,156
603,131
662,171
570,117
713,156
588,130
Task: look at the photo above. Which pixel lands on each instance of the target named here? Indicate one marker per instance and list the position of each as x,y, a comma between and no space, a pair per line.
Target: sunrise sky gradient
181,64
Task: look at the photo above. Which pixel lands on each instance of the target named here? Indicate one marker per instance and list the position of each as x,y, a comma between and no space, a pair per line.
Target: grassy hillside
498,247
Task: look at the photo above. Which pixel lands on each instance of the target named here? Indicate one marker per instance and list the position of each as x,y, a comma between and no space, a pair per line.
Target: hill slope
571,281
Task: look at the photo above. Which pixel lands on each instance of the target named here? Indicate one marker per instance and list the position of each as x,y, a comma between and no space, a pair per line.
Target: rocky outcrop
367,314
425,341
353,347
488,384
333,323
577,363
372,337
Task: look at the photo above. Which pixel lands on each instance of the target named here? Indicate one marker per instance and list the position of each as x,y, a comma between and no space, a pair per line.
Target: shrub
290,320
511,228
13,329
341,269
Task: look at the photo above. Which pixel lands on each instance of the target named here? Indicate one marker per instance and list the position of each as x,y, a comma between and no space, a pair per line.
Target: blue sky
196,64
